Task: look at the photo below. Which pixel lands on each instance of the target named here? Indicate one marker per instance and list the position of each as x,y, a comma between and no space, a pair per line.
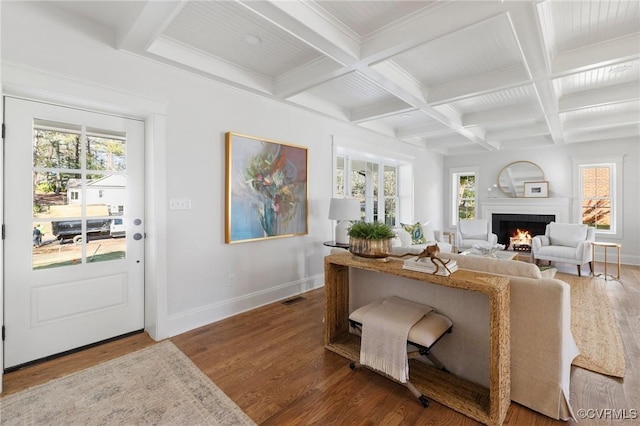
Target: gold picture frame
266,189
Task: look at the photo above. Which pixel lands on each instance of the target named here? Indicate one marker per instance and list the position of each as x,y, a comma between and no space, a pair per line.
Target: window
101,193
463,196
597,192
74,195
372,181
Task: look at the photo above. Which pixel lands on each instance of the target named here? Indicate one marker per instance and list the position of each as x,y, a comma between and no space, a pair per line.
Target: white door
74,231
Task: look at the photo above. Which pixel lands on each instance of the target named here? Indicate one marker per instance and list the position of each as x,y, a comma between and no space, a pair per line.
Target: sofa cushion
403,238
567,234
418,232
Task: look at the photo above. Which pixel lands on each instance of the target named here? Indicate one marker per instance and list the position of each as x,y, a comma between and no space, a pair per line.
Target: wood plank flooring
272,363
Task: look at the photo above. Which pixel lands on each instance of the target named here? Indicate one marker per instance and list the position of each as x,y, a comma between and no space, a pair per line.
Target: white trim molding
560,207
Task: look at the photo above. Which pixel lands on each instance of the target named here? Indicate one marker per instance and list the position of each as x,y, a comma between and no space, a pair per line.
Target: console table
488,406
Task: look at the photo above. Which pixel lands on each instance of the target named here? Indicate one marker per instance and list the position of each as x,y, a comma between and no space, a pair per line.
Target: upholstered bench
423,335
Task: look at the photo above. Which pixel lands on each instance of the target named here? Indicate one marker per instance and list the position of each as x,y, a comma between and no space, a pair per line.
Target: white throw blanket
385,329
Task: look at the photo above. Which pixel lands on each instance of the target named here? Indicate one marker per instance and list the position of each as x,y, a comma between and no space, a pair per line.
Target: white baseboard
194,318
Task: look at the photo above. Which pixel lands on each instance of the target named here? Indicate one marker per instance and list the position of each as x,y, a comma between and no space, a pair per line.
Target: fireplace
512,229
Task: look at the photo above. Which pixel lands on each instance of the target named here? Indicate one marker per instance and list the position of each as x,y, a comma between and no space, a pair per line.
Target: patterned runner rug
157,385
594,327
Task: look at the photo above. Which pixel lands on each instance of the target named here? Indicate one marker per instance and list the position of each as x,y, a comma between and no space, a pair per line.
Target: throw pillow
403,236
416,231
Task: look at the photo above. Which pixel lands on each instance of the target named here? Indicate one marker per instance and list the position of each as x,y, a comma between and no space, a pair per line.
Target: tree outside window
596,195
466,196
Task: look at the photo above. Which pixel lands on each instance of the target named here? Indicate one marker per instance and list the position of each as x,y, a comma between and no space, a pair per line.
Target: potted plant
370,239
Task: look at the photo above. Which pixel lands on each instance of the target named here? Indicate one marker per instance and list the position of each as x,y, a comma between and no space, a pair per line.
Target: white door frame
42,86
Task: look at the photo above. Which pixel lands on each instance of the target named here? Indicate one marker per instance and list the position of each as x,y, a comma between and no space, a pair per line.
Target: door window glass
79,193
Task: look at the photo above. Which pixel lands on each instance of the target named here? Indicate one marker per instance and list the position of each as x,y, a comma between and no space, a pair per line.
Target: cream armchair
565,243
473,231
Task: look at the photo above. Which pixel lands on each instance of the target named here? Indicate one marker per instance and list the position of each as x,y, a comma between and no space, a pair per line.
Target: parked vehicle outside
66,230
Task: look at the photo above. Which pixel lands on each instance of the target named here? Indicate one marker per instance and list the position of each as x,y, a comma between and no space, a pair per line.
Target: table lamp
344,210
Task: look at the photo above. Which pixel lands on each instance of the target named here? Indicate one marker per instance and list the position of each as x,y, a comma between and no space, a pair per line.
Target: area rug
157,385
594,327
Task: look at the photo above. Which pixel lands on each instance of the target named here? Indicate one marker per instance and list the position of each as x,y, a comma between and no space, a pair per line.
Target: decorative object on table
266,189
370,239
344,210
536,189
487,249
431,266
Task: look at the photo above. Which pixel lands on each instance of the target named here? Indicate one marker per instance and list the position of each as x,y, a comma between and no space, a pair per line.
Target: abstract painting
266,189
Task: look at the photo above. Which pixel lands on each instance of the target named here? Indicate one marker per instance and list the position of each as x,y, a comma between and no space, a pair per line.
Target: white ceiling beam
597,55
186,57
138,32
599,97
526,24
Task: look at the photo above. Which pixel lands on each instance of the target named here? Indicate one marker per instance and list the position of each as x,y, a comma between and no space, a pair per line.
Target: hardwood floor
272,363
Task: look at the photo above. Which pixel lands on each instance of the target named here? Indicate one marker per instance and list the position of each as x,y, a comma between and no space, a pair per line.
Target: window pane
340,177
56,149
603,182
390,211
104,153
48,252
53,191
597,213
389,181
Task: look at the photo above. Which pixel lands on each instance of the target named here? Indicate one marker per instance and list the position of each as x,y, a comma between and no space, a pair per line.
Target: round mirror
512,178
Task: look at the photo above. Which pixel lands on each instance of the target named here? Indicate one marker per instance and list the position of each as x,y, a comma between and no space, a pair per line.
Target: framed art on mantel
266,189
536,189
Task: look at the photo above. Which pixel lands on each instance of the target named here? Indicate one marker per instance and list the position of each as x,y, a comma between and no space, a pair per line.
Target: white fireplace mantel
559,207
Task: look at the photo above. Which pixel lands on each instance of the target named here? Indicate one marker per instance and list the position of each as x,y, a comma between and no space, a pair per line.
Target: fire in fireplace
520,240
517,230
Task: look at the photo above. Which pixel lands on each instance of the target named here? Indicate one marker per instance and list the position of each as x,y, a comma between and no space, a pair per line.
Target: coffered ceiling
452,76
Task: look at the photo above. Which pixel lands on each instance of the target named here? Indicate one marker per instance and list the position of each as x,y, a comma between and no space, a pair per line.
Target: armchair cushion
567,234
474,230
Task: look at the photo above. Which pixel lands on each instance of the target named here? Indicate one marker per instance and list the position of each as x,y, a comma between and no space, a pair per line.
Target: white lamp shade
343,210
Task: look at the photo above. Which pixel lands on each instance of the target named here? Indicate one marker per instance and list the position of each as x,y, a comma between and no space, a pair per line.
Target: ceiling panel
366,17
495,100
599,78
586,22
220,28
351,91
477,50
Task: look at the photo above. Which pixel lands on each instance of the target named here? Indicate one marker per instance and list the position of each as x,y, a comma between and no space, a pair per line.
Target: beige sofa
542,346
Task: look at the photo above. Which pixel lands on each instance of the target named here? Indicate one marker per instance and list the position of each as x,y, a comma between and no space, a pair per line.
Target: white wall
198,113
557,164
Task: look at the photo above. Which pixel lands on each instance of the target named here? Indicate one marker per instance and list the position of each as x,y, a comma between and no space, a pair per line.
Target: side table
337,245
595,244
